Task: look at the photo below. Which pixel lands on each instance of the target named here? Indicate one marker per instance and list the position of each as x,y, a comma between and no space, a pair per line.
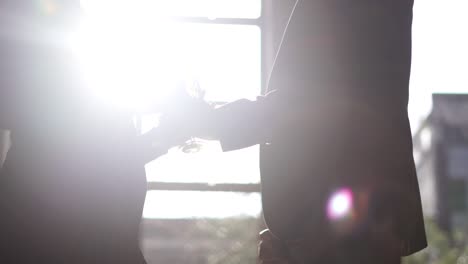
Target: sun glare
340,204
132,53
128,57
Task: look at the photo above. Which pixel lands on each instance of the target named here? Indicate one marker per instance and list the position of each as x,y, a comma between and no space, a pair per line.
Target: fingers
270,249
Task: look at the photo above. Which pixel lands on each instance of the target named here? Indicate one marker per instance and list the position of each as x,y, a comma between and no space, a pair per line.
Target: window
149,46
135,50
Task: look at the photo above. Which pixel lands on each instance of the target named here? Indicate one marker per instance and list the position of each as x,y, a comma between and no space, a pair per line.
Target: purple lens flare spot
340,204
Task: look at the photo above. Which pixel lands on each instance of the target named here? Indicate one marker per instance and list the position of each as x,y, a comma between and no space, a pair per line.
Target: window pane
196,241
191,8
225,59
181,205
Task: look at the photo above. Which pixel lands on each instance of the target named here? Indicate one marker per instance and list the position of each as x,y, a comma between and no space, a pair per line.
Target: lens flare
340,204
49,7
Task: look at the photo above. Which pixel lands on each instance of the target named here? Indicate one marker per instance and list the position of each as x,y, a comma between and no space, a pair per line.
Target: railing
421,148
224,187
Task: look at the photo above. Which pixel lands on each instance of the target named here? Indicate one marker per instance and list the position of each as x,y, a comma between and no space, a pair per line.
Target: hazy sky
440,53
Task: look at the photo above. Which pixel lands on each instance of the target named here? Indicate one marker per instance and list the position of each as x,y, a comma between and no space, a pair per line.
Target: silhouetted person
73,186
336,121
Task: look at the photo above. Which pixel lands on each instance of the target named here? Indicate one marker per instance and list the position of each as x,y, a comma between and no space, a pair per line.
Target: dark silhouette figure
337,119
73,186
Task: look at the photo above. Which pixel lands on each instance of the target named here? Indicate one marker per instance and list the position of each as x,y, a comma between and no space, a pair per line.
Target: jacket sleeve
245,123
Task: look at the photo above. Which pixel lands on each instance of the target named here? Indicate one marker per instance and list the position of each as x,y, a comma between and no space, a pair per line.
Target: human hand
270,249
182,117
188,112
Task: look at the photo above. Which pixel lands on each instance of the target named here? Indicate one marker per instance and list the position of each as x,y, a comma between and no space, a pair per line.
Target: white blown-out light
340,204
129,57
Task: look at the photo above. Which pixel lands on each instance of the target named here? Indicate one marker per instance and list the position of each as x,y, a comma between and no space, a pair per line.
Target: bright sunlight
133,52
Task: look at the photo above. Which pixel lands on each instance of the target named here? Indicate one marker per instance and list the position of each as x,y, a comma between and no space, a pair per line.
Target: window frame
222,187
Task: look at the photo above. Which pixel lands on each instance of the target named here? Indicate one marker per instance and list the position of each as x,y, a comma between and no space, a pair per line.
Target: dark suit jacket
338,118
72,188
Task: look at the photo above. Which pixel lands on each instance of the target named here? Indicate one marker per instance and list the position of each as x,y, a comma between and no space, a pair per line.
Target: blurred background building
441,152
